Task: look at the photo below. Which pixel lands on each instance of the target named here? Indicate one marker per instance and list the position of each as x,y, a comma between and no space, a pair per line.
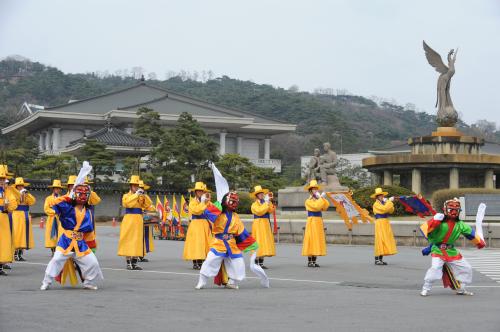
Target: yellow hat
3,172
71,180
134,179
143,185
377,192
258,190
86,181
8,175
56,184
311,185
20,182
199,186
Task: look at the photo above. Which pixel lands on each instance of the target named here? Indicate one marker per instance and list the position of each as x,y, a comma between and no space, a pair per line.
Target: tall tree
148,125
19,151
102,160
183,152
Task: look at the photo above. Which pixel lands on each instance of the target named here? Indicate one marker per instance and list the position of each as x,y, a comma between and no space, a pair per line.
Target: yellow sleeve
94,199
196,207
260,209
379,208
130,200
12,201
148,203
317,205
47,206
29,199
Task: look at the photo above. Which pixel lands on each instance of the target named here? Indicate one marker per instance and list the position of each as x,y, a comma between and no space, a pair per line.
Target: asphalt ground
347,293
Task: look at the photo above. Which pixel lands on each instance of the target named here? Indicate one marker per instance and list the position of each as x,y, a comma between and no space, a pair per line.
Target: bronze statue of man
327,162
313,166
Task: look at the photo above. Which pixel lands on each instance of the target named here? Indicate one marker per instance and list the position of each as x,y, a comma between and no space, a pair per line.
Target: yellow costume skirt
50,242
22,230
131,241
261,232
314,238
6,249
385,244
198,239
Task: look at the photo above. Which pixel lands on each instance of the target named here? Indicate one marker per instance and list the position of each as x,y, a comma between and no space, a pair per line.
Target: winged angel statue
447,116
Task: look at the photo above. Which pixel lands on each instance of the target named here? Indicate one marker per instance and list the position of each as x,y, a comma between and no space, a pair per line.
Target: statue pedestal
293,198
447,131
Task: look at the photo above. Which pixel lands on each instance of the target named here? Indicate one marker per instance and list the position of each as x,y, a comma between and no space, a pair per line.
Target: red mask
452,208
232,201
82,194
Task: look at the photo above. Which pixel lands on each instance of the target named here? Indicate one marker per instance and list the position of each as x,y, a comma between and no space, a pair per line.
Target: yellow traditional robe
199,233
50,242
131,243
385,244
314,236
21,222
6,247
261,228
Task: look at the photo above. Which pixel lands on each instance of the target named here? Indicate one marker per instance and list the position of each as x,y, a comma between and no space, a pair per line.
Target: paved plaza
347,293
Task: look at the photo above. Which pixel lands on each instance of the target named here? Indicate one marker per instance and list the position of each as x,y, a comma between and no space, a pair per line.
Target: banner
417,205
348,209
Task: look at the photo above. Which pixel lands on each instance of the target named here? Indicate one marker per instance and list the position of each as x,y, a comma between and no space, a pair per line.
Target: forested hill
362,123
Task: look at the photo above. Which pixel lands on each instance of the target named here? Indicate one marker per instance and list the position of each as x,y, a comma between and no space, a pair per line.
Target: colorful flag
166,207
348,209
175,212
159,208
184,208
417,205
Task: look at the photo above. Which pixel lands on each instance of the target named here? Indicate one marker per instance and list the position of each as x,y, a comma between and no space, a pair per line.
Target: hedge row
362,197
440,196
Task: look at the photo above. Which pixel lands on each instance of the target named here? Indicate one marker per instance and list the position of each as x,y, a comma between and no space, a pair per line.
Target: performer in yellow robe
8,203
131,243
199,233
21,220
314,236
261,226
52,223
385,244
149,245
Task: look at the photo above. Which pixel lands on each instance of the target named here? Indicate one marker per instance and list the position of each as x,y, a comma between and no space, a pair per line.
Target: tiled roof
116,137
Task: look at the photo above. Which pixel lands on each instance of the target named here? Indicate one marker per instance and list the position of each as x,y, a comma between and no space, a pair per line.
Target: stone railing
268,163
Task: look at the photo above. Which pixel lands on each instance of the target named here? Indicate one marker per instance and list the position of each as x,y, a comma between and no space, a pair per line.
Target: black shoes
132,265
143,259
379,261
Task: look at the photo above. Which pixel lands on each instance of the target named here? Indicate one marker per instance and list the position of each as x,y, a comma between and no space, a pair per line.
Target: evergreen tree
183,152
102,160
49,167
148,125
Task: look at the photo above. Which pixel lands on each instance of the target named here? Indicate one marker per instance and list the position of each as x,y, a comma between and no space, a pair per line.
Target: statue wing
434,59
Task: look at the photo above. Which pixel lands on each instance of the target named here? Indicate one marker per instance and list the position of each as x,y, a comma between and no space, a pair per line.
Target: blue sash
262,216
314,214
199,216
380,216
133,211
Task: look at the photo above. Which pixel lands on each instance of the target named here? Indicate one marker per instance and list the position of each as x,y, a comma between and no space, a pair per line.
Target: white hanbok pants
235,267
460,267
88,264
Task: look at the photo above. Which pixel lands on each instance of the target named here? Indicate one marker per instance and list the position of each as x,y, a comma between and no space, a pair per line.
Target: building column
488,179
41,141
239,145
387,178
47,141
56,138
454,178
267,148
416,181
222,142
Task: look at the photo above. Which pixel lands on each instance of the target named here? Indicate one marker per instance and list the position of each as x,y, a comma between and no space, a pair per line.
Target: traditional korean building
109,118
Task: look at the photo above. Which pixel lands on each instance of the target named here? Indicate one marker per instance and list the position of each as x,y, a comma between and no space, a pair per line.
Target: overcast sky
368,47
